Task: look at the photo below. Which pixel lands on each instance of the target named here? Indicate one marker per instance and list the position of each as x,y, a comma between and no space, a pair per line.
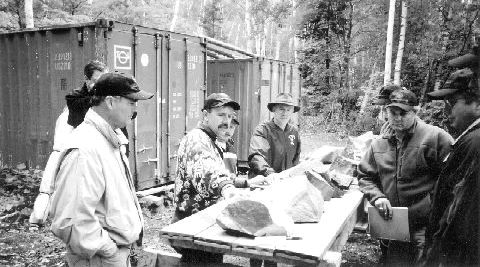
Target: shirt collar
208,131
105,129
475,123
287,127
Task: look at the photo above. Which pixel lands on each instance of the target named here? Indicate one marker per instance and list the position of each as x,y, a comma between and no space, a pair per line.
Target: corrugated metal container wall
253,83
42,66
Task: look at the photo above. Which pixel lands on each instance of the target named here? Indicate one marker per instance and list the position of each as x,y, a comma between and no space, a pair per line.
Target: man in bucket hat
400,170
94,206
452,235
275,145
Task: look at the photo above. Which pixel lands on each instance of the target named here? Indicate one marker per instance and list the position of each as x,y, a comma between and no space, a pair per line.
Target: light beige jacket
94,206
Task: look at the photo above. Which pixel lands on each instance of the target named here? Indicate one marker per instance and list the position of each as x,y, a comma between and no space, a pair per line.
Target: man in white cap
400,170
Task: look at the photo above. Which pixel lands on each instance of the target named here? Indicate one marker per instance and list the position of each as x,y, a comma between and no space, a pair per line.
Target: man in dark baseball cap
383,97
400,170
452,236
460,81
469,60
403,99
201,176
94,183
218,100
116,84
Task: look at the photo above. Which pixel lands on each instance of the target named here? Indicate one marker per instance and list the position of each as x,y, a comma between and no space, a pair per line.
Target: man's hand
384,207
257,180
273,178
229,191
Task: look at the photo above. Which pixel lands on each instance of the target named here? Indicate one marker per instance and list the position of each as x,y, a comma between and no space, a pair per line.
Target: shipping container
39,67
253,82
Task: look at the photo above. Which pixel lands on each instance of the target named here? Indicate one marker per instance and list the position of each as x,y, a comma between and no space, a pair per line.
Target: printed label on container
123,57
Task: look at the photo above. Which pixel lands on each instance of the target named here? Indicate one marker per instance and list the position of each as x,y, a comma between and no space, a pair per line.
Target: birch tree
401,43
29,14
388,50
248,25
175,15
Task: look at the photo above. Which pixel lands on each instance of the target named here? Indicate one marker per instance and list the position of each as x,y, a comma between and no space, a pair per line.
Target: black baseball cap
216,100
460,80
116,84
404,99
383,97
470,60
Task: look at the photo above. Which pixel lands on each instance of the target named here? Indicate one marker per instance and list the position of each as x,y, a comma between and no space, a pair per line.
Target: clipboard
394,229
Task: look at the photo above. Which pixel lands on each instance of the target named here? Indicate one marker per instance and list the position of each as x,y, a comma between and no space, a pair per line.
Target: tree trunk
388,50
401,43
445,38
258,44
277,47
237,35
271,39
346,47
144,14
248,26
175,15
200,16
29,14
230,33
327,57
263,52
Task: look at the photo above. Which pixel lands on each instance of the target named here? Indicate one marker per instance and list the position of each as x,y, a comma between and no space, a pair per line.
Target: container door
146,73
266,84
176,98
293,81
186,89
139,61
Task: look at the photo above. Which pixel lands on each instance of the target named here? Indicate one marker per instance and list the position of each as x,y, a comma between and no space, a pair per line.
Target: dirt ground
21,246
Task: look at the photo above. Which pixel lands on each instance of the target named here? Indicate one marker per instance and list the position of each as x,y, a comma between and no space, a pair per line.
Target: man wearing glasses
452,233
94,207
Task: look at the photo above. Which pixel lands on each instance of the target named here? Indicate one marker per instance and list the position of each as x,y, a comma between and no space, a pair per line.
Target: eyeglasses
452,101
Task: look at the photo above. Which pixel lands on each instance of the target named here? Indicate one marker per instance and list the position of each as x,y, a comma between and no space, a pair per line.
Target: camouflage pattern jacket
200,173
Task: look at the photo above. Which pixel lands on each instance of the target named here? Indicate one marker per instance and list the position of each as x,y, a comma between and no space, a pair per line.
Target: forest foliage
338,44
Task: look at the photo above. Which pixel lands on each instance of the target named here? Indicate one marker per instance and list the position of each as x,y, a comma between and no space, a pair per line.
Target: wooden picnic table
317,240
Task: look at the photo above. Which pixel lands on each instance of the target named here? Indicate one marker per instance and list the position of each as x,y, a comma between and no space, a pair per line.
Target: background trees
338,44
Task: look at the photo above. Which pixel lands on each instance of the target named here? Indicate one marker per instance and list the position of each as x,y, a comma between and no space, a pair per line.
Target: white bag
41,207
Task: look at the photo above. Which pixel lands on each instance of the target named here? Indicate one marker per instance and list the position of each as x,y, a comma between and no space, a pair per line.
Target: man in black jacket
452,237
78,102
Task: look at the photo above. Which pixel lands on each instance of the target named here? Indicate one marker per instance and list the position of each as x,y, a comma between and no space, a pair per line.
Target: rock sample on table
249,217
298,198
329,190
342,171
326,154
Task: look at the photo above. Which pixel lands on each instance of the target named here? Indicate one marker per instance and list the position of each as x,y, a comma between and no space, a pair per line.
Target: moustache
134,115
223,126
